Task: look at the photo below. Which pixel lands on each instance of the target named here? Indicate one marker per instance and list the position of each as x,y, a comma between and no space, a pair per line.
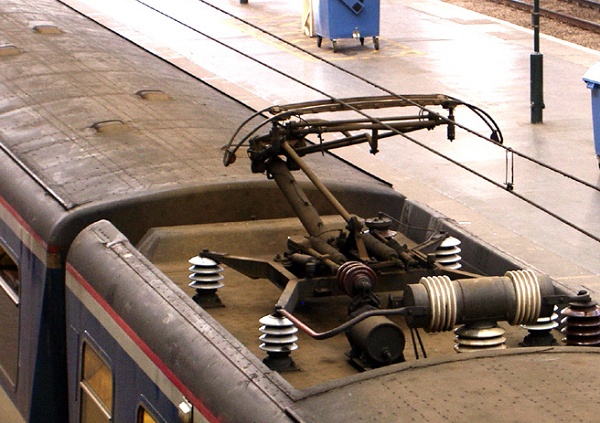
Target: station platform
426,46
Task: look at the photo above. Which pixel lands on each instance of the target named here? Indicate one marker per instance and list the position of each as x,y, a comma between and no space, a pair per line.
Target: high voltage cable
430,149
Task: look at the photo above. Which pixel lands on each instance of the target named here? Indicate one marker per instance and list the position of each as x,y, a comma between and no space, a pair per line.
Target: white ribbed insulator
479,336
278,334
543,323
206,273
443,302
447,254
539,333
528,296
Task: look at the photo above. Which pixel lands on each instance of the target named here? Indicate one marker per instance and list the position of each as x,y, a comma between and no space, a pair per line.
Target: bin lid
592,76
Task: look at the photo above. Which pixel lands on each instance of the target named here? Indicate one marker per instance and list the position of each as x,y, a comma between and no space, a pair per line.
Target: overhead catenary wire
373,84
359,77
506,187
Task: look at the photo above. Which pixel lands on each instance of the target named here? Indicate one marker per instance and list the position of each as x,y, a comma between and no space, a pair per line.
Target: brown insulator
581,324
354,277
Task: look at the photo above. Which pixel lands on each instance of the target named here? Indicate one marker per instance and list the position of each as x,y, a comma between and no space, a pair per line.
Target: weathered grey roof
70,113
512,386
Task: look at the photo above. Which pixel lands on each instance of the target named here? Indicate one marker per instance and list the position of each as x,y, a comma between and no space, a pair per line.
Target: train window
9,315
144,416
96,387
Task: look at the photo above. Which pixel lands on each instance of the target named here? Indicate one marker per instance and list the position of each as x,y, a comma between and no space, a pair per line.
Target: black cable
421,342
414,342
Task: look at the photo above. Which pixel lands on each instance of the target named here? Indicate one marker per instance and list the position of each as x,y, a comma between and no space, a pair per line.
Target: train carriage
95,130
112,183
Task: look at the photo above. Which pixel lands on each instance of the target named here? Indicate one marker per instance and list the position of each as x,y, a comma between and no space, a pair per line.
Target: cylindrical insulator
581,324
278,335
478,336
515,297
354,277
448,253
206,274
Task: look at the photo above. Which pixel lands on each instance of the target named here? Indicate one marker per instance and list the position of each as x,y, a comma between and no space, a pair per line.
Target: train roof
94,121
497,385
93,128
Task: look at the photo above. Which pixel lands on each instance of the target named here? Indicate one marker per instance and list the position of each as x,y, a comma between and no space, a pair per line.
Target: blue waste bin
592,78
335,19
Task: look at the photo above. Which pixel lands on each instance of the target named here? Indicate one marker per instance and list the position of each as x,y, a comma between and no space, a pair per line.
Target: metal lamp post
536,69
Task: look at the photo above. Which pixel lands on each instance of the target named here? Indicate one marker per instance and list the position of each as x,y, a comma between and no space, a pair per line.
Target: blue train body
111,178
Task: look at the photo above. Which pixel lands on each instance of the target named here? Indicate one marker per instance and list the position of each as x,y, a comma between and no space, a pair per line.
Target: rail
559,16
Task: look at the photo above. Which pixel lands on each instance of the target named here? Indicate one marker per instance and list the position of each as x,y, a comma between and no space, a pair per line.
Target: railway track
591,4
566,18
